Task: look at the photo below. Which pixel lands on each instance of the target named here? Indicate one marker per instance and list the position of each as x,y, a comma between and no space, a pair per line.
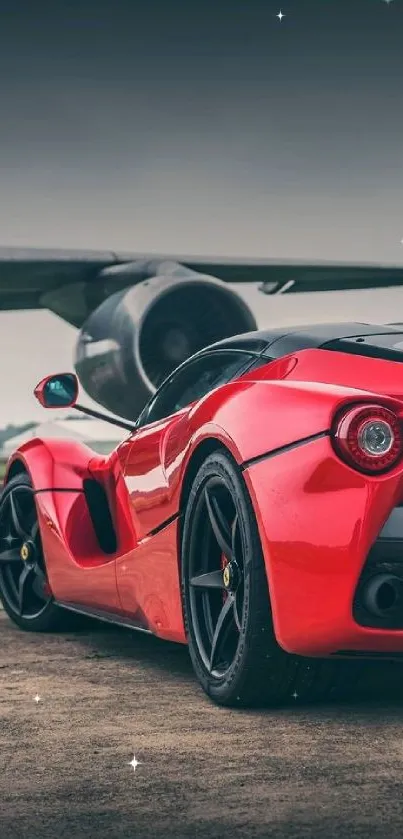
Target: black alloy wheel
226,602
216,577
24,589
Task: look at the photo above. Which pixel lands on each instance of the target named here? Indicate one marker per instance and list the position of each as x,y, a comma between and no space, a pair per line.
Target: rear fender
250,419
317,521
256,418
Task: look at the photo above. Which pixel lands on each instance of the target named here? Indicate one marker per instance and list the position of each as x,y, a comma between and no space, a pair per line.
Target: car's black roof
381,341
371,340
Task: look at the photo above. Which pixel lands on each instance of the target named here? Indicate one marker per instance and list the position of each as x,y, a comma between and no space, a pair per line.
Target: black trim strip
288,447
163,525
57,489
106,617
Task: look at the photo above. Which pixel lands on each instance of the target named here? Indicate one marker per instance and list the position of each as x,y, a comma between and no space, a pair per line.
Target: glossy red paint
53,462
156,457
250,417
149,588
371,374
317,519
317,516
147,469
77,570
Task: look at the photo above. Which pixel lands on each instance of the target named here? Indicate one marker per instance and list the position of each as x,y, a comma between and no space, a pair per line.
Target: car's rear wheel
226,601
24,589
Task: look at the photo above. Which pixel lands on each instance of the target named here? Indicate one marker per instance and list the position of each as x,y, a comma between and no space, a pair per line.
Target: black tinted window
194,381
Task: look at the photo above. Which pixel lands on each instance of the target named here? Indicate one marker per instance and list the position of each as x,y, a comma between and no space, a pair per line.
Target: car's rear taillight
369,437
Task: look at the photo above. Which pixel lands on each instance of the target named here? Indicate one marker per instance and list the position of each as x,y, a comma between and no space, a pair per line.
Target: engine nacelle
137,336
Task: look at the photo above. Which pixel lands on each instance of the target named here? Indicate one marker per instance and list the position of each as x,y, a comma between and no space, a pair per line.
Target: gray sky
209,128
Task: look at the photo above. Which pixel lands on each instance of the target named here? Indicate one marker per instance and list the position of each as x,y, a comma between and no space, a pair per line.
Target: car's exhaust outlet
383,595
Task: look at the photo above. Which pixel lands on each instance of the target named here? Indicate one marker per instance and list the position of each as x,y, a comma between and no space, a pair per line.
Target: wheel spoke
216,594
39,573
15,518
12,583
33,533
213,579
221,630
10,555
22,585
219,524
38,583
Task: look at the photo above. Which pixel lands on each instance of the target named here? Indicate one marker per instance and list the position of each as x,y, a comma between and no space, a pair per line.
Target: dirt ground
108,694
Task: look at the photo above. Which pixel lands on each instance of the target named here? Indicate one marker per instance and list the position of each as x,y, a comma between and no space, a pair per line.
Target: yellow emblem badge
24,552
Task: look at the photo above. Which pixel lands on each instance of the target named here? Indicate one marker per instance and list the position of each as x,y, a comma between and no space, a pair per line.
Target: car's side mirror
59,391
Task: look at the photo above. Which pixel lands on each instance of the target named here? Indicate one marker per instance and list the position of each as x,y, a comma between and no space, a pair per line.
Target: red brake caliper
223,562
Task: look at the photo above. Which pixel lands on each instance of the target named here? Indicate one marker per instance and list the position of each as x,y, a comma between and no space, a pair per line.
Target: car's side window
216,372
194,381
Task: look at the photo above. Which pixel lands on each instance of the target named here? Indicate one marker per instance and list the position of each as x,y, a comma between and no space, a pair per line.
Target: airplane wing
72,283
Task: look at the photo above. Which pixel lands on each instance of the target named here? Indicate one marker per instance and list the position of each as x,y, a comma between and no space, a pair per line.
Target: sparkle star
388,1
295,695
134,763
280,15
37,698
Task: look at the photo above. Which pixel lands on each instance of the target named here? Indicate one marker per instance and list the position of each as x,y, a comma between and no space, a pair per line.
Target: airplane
139,316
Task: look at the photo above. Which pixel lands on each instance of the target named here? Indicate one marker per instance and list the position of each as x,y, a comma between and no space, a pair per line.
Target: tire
248,668
29,604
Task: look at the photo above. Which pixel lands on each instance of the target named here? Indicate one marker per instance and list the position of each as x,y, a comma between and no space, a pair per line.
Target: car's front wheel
24,589
226,600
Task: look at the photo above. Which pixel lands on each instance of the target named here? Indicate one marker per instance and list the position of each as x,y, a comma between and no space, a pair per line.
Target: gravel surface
106,694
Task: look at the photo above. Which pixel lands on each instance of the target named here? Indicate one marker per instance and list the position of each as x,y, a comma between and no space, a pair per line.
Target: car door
145,467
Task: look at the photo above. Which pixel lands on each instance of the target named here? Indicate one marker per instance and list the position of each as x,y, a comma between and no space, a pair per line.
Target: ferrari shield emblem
226,576
24,552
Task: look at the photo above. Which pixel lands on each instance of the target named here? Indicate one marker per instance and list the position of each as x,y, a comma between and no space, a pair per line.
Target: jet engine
132,341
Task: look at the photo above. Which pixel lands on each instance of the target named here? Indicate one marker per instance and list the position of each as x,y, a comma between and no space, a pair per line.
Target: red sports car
254,512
